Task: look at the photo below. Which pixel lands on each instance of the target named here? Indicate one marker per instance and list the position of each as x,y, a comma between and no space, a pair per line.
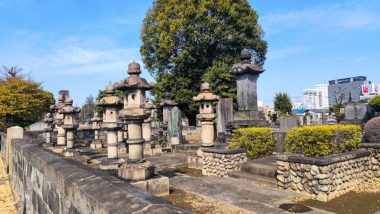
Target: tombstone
174,135
288,123
96,120
301,118
308,120
224,115
356,113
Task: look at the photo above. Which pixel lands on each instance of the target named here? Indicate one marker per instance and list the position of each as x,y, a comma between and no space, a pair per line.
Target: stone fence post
14,132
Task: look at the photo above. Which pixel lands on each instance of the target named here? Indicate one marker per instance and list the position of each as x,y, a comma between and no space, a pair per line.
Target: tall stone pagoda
111,104
96,120
70,124
134,113
48,120
58,118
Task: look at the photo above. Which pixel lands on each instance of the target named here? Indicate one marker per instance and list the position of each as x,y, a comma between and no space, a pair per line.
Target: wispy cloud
285,52
323,18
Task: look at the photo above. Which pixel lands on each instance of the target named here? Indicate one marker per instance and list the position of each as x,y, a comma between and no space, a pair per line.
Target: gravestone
174,135
288,123
224,112
356,113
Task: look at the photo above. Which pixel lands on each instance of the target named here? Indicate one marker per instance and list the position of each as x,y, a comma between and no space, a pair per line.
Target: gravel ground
7,203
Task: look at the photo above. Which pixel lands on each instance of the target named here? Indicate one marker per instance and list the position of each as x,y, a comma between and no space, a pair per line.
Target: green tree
185,39
22,102
283,104
374,102
88,109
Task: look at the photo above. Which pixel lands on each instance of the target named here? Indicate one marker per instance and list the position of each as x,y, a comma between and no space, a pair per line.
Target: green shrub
374,102
317,141
257,142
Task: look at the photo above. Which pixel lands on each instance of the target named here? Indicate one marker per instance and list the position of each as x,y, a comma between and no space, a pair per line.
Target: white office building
316,98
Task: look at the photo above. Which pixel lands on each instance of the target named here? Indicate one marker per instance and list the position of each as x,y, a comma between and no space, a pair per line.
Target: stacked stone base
158,185
329,177
218,161
195,162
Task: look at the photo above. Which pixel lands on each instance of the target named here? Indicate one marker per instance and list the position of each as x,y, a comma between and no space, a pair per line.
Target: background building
310,98
316,98
341,90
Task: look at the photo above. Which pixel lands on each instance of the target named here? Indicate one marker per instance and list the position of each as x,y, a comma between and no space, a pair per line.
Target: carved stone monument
206,114
49,122
110,104
96,143
58,118
70,124
134,113
247,73
147,126
174,135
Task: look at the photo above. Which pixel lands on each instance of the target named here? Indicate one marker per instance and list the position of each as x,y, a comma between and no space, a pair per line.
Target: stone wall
327,177
219,162
44,182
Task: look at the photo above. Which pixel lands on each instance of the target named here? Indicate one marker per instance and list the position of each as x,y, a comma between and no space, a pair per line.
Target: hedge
317,141
257,142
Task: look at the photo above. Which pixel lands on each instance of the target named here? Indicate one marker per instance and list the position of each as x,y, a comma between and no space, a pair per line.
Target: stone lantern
147,126
96,143
70,124
134,113
48,120
58,120
206,114
111,104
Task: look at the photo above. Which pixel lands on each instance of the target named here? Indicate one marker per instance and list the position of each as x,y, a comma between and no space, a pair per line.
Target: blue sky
82,45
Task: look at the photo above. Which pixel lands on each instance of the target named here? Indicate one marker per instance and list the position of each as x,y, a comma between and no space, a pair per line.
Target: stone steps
267,181
262,171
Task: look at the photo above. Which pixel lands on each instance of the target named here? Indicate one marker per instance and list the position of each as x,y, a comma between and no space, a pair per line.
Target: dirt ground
199,204
7,203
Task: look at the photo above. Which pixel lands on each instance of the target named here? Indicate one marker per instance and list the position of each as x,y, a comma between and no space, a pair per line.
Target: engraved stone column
134,113
110,104
206,114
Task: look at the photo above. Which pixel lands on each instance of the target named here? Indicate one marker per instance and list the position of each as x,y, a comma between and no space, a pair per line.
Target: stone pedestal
157,185
136,171
207,133
96,144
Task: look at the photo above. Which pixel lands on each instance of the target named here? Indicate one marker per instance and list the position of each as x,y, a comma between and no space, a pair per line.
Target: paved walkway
7,204
242,194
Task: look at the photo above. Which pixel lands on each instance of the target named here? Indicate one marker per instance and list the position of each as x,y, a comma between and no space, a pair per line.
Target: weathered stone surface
174,133
372,131
47,183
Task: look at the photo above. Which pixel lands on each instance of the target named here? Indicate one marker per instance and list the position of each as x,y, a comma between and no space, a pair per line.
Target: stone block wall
219,162
44,182
327,177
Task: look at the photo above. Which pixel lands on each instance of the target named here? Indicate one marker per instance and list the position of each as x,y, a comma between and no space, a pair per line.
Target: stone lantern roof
96,118
247,64
134,81
205,94
48,120
167,101
110,99
59,104
69,108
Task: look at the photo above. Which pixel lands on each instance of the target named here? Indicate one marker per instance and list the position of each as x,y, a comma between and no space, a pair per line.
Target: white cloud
285,52
323,18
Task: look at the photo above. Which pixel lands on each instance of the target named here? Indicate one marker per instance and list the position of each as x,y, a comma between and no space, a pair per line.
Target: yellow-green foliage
256,141
317,141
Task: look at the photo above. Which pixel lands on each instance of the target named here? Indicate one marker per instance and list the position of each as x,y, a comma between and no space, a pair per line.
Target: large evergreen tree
185,39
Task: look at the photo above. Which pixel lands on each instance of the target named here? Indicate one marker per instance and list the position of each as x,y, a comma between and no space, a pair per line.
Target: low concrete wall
327,177
47,183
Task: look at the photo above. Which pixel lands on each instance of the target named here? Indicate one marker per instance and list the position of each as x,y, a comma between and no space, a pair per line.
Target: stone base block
96,144
57,149
199,152
158,185
70,152
195,162
153,152
136,171
122,149
48,146
110,164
